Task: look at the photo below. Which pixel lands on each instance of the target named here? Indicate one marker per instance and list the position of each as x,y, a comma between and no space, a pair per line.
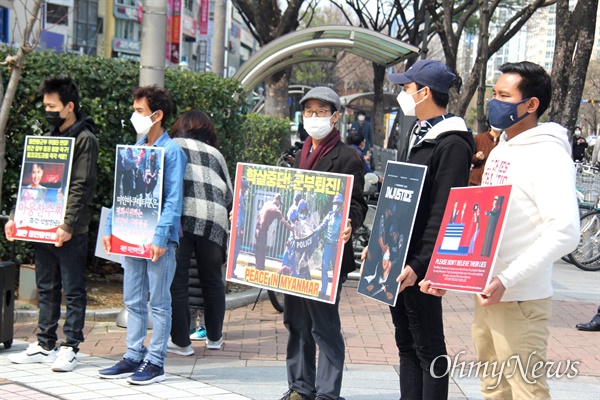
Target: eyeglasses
311,113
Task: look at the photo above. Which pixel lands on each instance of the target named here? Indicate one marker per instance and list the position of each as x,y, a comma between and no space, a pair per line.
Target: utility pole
154,41
218,44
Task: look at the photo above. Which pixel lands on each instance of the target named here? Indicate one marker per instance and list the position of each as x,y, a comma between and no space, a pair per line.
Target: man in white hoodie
512,313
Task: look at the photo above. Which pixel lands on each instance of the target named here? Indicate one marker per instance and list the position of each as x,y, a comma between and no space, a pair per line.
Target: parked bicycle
587,254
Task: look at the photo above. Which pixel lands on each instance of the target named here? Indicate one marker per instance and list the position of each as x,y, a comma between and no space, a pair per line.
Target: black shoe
591,326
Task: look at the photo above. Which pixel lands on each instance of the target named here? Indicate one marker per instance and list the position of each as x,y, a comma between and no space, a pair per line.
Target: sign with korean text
43,187
286,230
467,244
391,232
137,199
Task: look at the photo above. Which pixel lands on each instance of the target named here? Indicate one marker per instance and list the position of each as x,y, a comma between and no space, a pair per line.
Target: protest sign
286,230
390,236
467,243
137,199
43,188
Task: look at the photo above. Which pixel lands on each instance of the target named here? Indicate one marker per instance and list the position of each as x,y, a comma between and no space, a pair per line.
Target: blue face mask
503,115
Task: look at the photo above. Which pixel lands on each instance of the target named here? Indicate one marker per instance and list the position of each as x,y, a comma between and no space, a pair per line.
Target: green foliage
105,86
264,138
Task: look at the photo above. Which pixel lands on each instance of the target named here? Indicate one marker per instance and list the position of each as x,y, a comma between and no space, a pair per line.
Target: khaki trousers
511,340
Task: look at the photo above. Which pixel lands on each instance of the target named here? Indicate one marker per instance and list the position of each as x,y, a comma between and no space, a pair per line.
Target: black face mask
54,118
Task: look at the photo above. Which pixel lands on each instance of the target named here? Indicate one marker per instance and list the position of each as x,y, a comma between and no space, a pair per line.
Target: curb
232,301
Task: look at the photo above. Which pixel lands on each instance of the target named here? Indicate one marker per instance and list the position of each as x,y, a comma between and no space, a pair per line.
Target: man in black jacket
62,265
312,323
443,143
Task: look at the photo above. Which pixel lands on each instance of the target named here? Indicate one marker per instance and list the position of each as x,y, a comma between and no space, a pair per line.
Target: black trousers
419,336
311,323
209,260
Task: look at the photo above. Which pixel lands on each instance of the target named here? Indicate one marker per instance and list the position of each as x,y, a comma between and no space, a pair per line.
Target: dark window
57,14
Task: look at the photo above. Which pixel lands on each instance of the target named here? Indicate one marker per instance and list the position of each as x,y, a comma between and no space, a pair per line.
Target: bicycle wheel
276,300
584,208
587,254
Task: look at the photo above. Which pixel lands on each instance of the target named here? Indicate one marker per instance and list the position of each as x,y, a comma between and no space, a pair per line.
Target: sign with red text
286,230
467,244
390,236
137,199
43,188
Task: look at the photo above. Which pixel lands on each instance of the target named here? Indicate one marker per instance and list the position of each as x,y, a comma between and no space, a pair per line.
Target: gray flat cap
323,93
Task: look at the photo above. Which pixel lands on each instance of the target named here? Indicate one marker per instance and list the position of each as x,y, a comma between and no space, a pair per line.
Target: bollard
7,308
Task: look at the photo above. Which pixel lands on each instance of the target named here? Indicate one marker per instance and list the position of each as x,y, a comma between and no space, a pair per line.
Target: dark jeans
419,335
311,323
56,269
209,260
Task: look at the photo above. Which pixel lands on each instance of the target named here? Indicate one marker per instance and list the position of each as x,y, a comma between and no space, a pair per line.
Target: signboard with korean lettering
467,244
286,230
137,199
43,188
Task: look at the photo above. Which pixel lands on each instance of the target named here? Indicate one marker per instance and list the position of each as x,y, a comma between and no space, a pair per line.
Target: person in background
357,141
593,325
62,265
484,143
312,323
443,143
578,144
361,125
207,200
152,107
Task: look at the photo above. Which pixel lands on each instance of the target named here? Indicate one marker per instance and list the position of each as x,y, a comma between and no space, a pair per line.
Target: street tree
14,63
589,111
450,17
267,22
383,17
573,48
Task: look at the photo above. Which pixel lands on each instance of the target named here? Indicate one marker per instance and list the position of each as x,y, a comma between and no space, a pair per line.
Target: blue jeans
56,269
143,276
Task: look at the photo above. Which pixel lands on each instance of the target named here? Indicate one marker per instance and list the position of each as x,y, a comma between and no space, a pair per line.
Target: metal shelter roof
282,52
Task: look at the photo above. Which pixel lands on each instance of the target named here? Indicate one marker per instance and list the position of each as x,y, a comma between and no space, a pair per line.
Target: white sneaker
182,351
66,360
34,354
214,345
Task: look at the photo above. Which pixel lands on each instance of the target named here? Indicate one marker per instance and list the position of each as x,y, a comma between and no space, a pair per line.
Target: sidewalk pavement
251,364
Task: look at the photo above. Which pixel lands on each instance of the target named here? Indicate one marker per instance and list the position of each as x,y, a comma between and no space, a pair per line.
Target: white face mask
361,118
407,102
142,124
318,127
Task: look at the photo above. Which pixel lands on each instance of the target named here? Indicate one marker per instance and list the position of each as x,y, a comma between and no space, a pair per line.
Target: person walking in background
484,143
442,142
62,265
578,144
152,109
207,200
311,322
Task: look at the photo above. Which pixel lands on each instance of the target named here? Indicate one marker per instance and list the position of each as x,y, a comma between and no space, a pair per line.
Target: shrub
105,86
